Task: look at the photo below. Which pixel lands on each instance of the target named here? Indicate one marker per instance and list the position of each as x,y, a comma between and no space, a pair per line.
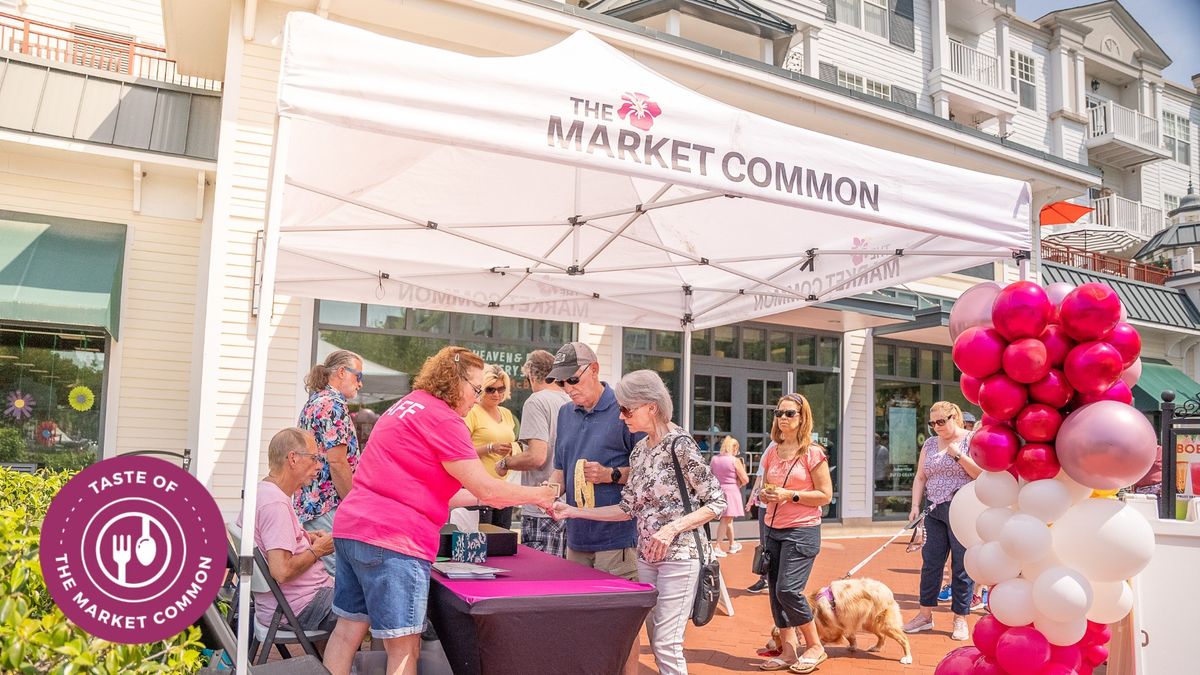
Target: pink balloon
1090,312
1056,292
978,351
1118,392
1068,656
1132,374
1053,668
1096,633
1038,422
994,447
1094,655
1053,389
1022,650
1125,339
987,631
1058,344
970,387
960,661
1106,445
1001,396
1036,461
1021,310
1025,360
986,420
987,666
973,308
1093,367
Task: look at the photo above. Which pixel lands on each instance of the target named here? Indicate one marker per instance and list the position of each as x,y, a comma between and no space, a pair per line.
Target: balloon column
1052,370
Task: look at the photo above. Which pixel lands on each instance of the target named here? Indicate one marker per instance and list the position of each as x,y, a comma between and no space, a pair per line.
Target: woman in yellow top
494,433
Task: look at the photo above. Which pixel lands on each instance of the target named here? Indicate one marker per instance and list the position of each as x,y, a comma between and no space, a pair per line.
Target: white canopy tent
576,184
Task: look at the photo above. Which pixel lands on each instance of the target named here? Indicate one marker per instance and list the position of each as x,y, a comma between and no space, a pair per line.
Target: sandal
807,665
773,664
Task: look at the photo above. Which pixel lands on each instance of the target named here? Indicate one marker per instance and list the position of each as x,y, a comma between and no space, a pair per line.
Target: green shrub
35,637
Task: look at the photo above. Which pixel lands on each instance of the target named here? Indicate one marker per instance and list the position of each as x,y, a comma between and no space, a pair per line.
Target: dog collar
827,593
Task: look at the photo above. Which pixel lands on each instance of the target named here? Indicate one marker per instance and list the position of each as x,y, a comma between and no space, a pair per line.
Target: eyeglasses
478,390
357,373
495,390
937,423
573,380
787,413
310,455
628,412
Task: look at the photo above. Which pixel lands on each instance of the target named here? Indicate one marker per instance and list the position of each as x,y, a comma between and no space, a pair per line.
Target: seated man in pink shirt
292,553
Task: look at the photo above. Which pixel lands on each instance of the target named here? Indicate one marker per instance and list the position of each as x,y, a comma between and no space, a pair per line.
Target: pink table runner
533,573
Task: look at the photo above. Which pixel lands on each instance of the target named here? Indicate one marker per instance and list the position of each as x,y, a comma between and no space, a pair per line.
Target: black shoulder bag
708,586
761,563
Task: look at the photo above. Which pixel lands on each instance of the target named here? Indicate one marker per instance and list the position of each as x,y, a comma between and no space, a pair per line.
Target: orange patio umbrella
1062,213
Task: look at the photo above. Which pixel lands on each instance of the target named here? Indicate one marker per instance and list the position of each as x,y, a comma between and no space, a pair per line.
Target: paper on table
461,570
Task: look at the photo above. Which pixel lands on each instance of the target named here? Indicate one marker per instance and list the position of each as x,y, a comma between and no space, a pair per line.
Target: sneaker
758,586
944,594
735,548
979,601
961,632
718,553
918,624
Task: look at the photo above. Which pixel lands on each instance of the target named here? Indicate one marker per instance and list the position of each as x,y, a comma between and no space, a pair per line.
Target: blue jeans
389,590
940,542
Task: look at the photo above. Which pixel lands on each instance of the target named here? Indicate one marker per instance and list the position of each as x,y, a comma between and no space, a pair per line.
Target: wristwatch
616,475
796,497
502,464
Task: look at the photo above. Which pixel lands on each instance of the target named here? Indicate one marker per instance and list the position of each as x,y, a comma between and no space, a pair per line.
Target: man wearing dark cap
968,421
591,461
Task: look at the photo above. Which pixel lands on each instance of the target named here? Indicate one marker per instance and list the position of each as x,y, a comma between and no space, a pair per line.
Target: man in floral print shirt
330,385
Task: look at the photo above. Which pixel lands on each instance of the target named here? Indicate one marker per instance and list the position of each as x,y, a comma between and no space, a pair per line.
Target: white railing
1114,211
1124,123
974,64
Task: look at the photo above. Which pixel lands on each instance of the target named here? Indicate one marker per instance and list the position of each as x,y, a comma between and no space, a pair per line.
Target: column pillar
1081,84
811,51
1002,52
941,105
767,51
1058,90
941,43
672,23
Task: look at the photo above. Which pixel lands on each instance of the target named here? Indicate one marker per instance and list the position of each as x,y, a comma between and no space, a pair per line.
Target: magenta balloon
978,351
1058,344
1022,650
1090,312
1132,374
1001,396
1125,339
1093,367
1068,656
970,388
986,420
973,308
994,447
986,632
1052,668
1094,655
1106,445
1025,360
987,666
960,661
1038,423
1036,461
1021,310
1096,633
1119,392
1053,389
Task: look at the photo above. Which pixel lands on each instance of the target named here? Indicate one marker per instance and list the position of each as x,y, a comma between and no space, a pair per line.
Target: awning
60,270
1157,378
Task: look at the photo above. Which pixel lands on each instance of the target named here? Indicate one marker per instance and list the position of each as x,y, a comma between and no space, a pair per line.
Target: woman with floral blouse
667,554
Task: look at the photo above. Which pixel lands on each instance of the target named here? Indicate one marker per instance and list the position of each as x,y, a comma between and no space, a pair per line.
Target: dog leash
916,521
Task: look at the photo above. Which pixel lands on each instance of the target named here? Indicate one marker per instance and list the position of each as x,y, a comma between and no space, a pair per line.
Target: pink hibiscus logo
858,258
640,109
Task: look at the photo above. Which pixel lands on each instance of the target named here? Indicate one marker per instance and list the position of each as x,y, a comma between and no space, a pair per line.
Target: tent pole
258,377
685,388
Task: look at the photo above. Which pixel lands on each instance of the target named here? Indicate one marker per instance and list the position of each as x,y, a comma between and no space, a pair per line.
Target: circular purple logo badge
133,549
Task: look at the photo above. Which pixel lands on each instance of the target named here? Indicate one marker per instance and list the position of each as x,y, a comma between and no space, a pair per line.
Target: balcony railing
1114,211
1106,117
975,65
93,50
1096,262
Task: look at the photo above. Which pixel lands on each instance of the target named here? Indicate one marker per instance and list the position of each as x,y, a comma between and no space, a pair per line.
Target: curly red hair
443,373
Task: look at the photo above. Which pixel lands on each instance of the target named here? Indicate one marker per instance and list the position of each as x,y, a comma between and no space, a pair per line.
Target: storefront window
51,396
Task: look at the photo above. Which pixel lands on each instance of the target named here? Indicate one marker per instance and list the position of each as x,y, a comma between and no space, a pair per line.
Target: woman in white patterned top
944,466
667,554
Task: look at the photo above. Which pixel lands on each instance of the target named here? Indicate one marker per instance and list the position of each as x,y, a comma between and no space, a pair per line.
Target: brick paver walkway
727,644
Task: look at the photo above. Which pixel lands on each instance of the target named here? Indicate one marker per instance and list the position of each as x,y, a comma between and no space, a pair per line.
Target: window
1170,202
871,15
1021,71
879,90
1177,137
849,81
864,85
850,11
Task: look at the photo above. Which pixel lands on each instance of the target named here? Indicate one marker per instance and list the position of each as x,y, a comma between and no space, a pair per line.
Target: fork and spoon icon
125,549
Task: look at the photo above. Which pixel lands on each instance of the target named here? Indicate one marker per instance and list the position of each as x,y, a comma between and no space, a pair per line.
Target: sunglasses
356,373
495,390
787,413
573,380
478,390
628,412
933,424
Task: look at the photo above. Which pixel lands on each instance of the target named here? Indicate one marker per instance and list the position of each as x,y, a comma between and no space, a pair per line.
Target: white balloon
1032,570
988,564
1011,602
1077,492
1104,539
1025,538
996,488
1046,500
1062,594
988,525
1061,633
964,511
1111,601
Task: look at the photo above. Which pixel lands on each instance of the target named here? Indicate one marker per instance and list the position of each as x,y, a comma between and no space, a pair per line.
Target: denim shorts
375,585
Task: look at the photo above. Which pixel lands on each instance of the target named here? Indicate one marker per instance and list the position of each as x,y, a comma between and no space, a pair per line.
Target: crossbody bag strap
683,494
785,480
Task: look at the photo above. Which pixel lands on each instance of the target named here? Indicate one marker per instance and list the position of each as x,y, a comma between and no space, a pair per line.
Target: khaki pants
619,562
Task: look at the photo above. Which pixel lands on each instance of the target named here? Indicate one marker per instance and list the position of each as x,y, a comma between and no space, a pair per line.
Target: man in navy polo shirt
592,437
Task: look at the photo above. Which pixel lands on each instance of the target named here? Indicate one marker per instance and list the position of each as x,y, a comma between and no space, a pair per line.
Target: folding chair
278,633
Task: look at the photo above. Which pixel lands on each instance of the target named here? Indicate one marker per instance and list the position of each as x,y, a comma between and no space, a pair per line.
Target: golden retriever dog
848,606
